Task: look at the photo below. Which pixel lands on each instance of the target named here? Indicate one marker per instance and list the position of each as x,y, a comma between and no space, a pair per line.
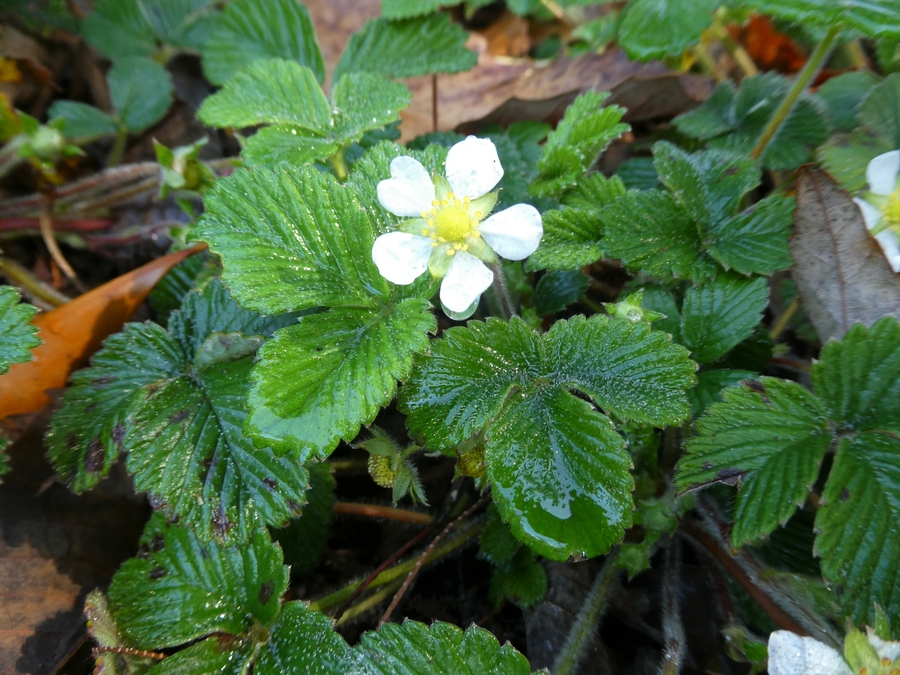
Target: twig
375,511
30,284
785,318
703,55
53,247
367,604
673,629
399,553
422,558
804,78
588,617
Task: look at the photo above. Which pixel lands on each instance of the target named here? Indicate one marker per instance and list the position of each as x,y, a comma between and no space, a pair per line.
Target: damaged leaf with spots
175,402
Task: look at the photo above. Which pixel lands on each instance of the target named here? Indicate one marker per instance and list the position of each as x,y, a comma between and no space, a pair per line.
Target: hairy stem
387,512
118,149
785,318
49,238
588,617
30,284
804,78
502,291
673,629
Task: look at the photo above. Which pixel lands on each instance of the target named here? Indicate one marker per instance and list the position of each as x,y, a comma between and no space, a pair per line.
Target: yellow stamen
450,195
425,231
424,214
450,251
444,202
479,215
891,210
435,202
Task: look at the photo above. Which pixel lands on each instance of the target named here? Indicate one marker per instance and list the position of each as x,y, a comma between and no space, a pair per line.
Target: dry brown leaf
55,547
840,271
72,332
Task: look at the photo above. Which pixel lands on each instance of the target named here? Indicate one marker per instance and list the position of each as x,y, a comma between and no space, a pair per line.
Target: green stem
118,149
398,571
30,284
580,636
804,78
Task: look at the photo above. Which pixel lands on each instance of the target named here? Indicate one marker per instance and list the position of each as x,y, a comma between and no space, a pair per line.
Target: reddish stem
375,511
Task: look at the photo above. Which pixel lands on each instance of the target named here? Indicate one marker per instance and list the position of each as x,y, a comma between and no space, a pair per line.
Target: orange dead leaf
74,331
769,49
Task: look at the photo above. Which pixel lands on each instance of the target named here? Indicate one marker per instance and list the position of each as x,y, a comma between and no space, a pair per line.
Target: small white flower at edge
449,233
881,206
791,654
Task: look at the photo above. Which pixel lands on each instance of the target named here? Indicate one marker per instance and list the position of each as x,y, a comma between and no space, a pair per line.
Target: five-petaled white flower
881,206
791,654
448,234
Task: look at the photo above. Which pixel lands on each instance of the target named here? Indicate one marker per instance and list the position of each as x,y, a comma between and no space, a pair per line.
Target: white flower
791,654
881,206
448,233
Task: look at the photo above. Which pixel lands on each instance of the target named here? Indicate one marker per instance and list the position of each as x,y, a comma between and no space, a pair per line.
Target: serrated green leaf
412,648
519,155
755,241
497,543
17,335
181,23
856,522
572,234
557,290
638,173
311,245
844,95
523,580
720,313
558,468
658,299
84,123
405,9
252,30
652,29
211,655
407,48
192,273
858,377
304,538
653,232
734,121
181,426
119,29
846,156
710,384
875,18
584,132
184,588
364,102
880,111
319,381
771,435
269,91
140,90
302,641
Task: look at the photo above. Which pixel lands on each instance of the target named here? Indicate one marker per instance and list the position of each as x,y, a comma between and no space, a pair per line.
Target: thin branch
422,558
673,629
53,247
33,287
375,511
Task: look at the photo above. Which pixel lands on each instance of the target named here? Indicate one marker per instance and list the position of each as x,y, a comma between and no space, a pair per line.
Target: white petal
882,173
400,257
891,247
467,279
473,167
790,654
409,190
514,233
884,648
870,214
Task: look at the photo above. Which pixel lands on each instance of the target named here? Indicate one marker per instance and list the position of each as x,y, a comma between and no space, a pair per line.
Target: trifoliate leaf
652,29
141,92
407,48
17,335
754,241
720,313
875,18
405,9
251,30
844,94
858,377
183,588
770,436
572,234
857,542
302,641
412,648
364,102
84,122
734,121
558,469
310,246
557,290
304,538
147,393
584,132
523,580
710,384
119,29
182,23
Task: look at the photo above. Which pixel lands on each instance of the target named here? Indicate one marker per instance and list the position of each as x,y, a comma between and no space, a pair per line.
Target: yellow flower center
891,210
450,222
